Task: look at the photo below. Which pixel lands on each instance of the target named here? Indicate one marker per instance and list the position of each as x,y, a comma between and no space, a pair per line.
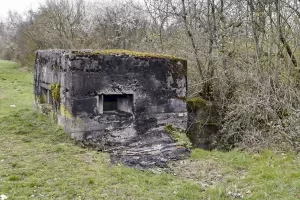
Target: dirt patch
206,173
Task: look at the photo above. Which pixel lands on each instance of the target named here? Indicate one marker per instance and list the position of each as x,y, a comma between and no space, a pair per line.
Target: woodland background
243,55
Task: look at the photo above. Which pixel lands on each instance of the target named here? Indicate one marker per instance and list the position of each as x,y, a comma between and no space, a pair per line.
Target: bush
260,109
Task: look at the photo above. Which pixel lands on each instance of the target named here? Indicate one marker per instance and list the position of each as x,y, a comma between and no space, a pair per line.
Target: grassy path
39,161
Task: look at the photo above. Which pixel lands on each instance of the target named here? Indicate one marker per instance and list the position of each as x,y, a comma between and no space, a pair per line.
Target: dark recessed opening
110,102
118,102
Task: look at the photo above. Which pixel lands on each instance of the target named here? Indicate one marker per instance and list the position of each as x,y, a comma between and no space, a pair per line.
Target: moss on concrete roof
126,52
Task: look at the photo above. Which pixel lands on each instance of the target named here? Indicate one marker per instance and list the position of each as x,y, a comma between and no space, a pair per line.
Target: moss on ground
127,52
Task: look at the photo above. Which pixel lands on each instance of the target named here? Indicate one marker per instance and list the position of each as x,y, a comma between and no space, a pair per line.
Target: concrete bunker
115,100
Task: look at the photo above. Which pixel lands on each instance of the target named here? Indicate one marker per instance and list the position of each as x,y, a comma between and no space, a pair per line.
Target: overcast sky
24,5
17,5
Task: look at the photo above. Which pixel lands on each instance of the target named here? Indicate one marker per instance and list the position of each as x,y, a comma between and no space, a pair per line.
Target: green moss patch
196,103
183,98
65,112
127,52
178,135
55,91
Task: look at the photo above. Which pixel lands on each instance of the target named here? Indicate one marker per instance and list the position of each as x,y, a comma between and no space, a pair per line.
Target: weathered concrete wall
147,92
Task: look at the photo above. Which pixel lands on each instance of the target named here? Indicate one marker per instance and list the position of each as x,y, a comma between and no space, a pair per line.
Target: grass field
39,161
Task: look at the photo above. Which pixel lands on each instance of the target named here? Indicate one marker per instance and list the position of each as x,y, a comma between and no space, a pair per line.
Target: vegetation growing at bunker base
179,136
42,99
46,109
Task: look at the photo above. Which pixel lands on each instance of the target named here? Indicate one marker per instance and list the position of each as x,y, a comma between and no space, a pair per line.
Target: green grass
267,175
39,161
